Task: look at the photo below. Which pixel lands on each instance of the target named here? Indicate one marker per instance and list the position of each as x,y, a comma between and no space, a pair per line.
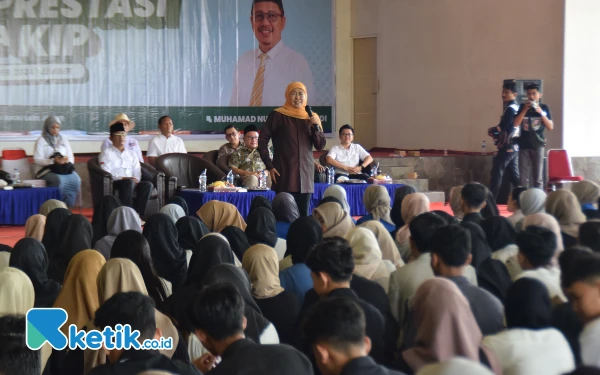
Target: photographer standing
533,117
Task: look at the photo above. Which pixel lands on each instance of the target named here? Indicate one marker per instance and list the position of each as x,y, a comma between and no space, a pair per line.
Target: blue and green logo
43,325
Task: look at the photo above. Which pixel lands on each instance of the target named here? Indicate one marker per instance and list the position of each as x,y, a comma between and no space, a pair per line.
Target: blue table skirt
195,199
17,205
355,196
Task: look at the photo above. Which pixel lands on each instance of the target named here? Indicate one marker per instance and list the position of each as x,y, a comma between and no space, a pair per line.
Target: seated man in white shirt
537,246
126,170
165,142
130,143
349,158
581,282
246,160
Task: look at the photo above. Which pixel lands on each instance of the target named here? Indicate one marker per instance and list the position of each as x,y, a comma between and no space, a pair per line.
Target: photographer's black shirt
533,120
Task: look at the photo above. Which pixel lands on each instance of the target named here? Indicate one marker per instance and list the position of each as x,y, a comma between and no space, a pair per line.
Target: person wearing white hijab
174,211
455,366
532,202
368,258
121,219
339,193
4,259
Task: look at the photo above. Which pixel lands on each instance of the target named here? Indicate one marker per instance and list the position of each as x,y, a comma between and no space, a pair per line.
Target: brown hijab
335,219
378,203
413,205
262,264
455,205
446,327
565,207
79,294
34,227
218,215
386,242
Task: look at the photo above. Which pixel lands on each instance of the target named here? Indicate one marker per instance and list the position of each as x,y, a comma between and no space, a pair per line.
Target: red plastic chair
560,169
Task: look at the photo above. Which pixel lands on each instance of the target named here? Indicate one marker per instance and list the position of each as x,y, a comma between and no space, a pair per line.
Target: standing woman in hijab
34,227
52,236
530,345
563,205
368,259
52,148
377,202
121,219
30,257
102,212
261,229
587,193
333,219
217,215
132,245
51,204
277,305
286,212
294,134
168,257
396,213
445,333
412,206
76,235
190,230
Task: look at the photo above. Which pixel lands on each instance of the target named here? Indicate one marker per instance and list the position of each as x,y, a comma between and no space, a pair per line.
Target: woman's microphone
310,114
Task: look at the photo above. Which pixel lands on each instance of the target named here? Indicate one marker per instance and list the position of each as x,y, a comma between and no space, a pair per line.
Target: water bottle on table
483,147
330,175
230,178
16,176
202,181
262,180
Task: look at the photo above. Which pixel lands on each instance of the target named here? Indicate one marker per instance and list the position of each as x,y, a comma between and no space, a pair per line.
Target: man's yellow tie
259,83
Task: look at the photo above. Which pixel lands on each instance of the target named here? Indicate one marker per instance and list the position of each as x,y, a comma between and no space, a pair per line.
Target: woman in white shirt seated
530,346
53,151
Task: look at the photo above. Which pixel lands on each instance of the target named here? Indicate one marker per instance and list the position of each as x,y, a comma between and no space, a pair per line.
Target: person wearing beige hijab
448,332
277,305
587,193
563,205
378,204
79,294
34,227
412,206
121,275
17,296
218,215
386,242
456,366
368,259
333,219
455,203
50,205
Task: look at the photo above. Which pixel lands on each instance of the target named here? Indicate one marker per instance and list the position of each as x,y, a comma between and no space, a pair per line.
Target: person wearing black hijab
304,233
52,238
258,202
102,212
286,212
396,213
492,274
30,257
491,208
168,257
190,230
261,227
76,234
237,240
180,202
499,232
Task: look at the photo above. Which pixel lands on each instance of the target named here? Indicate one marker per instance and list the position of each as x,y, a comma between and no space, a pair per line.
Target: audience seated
340,194
537,246
581,282
456,366
15,356
166,142
217,316
335,329
473,199
563,205
120,220
589,235
34,227
246,161
174,211
514,206
455,202
238,241
286,212
49,205
52,230
217,215
126,170
587,193
521,349
335,222
261,228
75,236
386,243
190,230
368,258
102,212
412,206
501,236
450,254
349,159
378,205
532,202
396,212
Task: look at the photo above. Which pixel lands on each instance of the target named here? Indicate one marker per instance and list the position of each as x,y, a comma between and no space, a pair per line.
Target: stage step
420,184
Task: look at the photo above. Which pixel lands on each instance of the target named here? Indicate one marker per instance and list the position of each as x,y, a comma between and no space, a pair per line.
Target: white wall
442,62
582,78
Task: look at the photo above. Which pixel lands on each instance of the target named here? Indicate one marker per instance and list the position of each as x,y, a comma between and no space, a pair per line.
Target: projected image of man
261,75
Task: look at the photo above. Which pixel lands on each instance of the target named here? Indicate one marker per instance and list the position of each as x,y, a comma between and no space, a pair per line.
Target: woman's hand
316,120
274,172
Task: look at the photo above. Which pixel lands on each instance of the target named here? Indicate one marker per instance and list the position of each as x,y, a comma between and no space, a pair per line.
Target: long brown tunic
293,140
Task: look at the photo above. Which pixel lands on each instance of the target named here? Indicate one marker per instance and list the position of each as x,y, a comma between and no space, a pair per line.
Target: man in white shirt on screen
262,75
165,142
130,143
349,158
126,170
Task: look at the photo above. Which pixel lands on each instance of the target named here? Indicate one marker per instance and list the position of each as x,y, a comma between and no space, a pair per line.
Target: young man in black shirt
504,134
533,118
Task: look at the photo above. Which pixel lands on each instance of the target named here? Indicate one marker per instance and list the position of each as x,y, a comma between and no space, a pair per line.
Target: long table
195,199
17,205
354,195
